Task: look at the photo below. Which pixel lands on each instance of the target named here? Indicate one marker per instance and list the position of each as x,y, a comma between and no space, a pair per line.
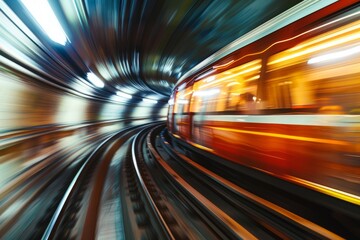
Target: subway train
287,104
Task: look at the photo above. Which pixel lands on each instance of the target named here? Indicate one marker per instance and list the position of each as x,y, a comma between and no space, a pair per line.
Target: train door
170,116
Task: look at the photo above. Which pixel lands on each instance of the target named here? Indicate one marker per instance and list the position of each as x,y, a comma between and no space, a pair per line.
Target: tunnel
169,119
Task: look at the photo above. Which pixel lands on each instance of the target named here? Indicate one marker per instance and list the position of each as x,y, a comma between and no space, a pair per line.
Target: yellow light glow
335,55
326,190
188,93
232,84
318,48
347,34
338,32
223,65
243,69
209,79
201,147
299,35
252,78
279,135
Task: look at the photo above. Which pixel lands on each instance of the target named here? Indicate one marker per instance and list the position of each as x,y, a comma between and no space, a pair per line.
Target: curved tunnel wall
43,83
47,105
37,120
26,103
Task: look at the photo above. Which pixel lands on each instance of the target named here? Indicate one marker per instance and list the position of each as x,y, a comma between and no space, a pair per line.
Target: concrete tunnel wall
26,102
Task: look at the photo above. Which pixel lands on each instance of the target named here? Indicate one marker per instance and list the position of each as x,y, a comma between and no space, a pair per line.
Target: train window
181,109
232,90
182,100
321,73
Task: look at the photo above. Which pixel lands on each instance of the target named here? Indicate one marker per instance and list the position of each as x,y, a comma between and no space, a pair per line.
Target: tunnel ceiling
141,47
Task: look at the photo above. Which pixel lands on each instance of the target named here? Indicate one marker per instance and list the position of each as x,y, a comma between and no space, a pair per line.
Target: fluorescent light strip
149,100
45,16
257,67
124,95
95,80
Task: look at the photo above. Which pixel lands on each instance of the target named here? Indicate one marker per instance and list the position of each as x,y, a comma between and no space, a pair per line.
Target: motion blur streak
45,16
299,119
317,140
74,72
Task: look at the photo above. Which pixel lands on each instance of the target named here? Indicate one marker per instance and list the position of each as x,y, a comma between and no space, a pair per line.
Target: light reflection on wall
82,87
141,111
111,111
163,111
71,110
10,92
24,105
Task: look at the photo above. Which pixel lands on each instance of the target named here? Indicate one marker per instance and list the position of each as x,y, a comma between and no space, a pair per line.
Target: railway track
118,192
77,212
241,212
27,198
68,194
137,184
148,209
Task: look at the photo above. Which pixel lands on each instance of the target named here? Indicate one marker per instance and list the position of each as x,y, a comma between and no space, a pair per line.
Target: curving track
249,204
139,183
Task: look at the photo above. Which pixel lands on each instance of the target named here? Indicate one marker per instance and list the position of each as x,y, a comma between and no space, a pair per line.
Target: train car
287,104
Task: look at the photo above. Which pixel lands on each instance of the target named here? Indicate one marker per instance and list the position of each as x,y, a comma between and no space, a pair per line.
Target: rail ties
82,194
161,221
269,217
221,219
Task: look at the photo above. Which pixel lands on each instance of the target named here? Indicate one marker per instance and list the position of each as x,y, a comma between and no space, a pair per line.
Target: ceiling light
44,15
124,95
95,80
149,100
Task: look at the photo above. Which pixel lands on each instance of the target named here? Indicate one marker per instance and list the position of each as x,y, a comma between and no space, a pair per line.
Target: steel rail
164,226
48,234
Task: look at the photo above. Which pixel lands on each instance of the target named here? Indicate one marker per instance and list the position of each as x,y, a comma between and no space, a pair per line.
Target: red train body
287,104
